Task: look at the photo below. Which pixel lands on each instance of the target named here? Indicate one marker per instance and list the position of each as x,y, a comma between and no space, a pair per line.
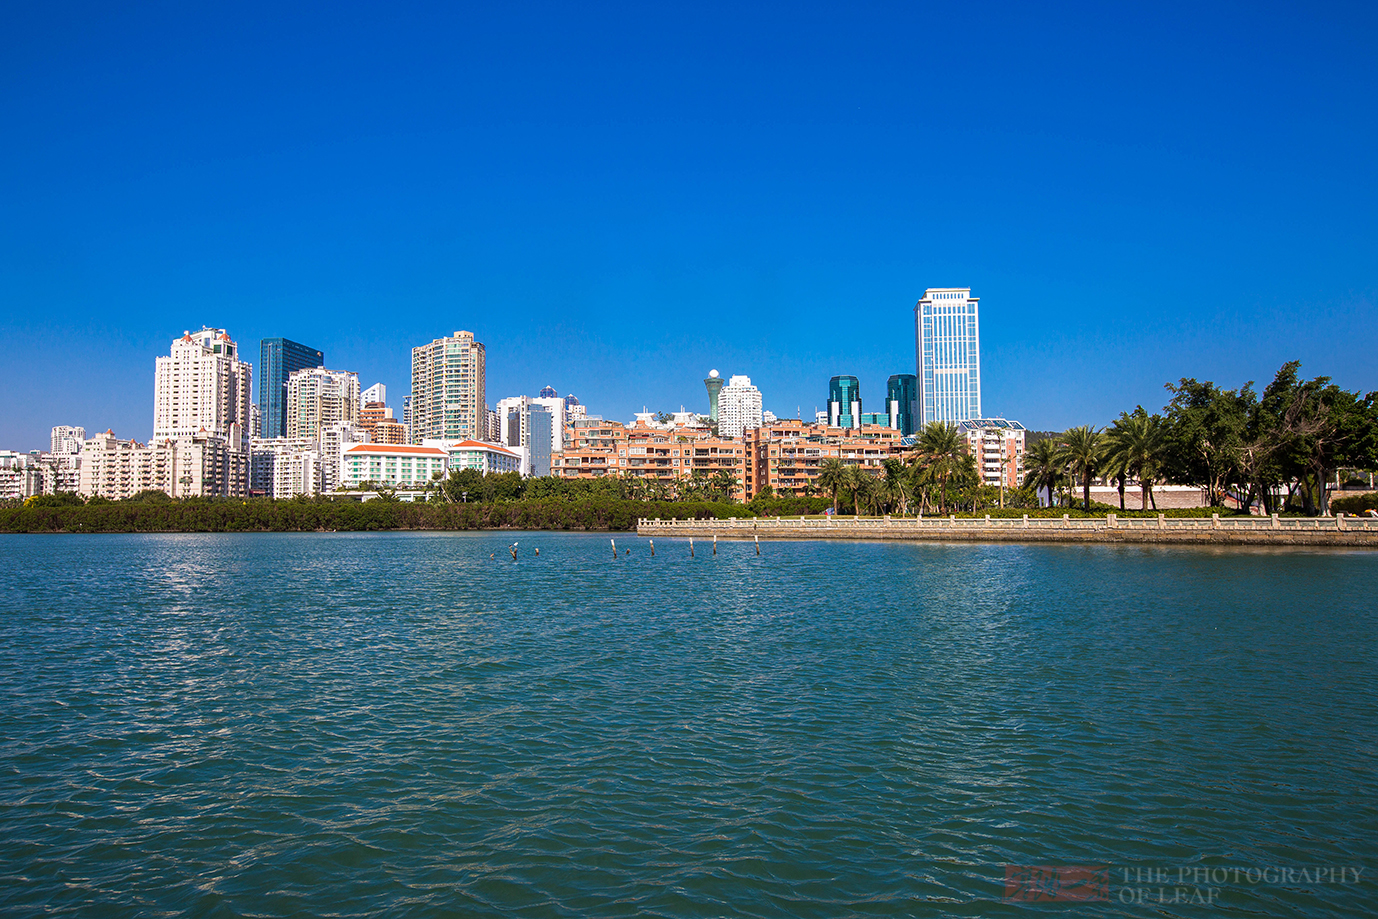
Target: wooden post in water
691,547
653,548
715,543
758,545
614,548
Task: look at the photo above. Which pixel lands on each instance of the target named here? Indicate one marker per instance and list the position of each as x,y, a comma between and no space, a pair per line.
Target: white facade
68,439
281,467
739,407
375,393
513,421
479,456
334,439
948,355
407,466
203,388
318,398
205,465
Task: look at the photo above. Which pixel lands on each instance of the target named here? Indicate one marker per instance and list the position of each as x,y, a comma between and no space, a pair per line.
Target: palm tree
724,483
1083,450
938,452
1043,468
863,489
1136,441
1116,465
894,488
832,476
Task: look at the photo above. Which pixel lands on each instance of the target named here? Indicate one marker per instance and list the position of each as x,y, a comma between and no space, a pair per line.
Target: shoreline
1214,531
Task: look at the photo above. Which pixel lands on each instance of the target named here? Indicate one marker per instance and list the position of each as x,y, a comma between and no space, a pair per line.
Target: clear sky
618,198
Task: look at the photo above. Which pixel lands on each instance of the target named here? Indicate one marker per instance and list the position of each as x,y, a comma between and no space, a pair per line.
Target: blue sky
617,198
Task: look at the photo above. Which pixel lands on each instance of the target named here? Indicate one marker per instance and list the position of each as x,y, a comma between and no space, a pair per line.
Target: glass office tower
902,402
948,350
844,402
279,358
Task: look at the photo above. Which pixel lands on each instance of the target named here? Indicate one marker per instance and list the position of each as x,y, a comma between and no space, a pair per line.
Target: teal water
361,724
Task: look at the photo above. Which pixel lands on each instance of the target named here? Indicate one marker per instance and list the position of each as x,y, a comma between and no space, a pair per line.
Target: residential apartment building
68,439
789,455
739,407
998,446
282,467
405,466
597,448
279,358
448,390
203,388
200,466
375,393
480,456
318,398
948,355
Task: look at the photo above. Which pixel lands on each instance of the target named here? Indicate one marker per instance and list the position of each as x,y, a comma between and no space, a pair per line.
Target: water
356,724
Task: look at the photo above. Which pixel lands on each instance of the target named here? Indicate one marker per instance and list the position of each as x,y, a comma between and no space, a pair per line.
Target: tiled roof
480,445
395,448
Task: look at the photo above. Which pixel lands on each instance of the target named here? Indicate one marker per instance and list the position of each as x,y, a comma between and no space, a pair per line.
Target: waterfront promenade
1214,530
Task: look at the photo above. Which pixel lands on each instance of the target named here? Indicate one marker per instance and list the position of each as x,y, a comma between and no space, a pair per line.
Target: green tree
832,477
1206,428
1044,467
938,453
1083,452
1135,449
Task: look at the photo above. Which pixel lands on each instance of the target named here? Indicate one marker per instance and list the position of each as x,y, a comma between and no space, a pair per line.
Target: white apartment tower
203,388
67,439
948,355
739,407
318,398
448,390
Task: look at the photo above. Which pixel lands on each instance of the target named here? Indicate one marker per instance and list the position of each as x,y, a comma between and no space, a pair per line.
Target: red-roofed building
392,465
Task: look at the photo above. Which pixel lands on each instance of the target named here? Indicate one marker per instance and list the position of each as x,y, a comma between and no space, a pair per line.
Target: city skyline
710,201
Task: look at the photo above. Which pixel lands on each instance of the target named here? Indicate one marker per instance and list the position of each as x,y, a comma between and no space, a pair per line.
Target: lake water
359,724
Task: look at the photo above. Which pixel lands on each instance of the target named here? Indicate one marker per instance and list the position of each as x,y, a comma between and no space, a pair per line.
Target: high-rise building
533,429
541,424
68,439
948,355
844,402
279,358
902,402
317,398
739,407
375,393
714,384
447,390
547,392
203,388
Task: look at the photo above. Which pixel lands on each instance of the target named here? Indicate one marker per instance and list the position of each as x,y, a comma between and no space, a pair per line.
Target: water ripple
352,724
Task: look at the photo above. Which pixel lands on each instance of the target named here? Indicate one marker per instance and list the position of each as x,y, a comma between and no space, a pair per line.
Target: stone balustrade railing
1363,530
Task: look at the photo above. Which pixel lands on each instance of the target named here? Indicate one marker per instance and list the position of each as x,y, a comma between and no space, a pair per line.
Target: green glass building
844,402
902,402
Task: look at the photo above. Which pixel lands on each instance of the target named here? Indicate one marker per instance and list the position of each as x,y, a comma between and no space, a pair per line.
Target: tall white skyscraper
203,386
739,407
948,348
375,393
